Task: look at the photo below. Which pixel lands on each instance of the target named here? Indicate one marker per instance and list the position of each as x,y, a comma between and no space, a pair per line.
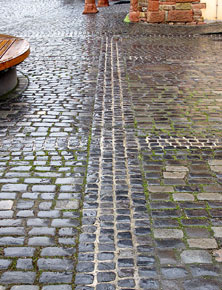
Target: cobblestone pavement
111,159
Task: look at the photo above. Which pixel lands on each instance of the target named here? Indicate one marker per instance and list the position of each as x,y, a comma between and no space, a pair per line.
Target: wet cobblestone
110,160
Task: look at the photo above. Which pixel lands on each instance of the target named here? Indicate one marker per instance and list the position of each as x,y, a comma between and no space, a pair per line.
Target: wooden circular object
13,50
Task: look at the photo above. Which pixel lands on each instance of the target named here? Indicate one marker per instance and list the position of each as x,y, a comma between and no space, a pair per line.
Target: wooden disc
13,50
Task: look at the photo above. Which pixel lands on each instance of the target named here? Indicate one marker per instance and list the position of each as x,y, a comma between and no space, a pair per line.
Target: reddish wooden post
134,14
103,3
90,7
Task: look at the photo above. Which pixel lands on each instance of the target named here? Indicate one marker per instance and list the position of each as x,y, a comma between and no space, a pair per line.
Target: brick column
103,3
134,12
90,7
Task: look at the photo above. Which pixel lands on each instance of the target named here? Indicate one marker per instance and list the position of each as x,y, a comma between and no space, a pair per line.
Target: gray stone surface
168,234
72,204
17,277
55,277
24,264
196,256
203,243
183,197
6,204
209,196
4,264
25,287
110,160
55,264
217,232
57,287
19,251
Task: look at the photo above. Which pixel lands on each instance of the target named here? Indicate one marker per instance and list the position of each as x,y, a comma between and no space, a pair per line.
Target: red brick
153,5
187,1
199,6
180,16
167,3
155,17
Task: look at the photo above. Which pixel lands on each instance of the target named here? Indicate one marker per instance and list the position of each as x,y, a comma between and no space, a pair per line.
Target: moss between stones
126,19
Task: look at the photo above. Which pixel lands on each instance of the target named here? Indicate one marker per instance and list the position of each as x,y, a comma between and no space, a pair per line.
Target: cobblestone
196,256
202,243
4,264
110,160
24,264
16,277
217,232
54,251
6,204
19,252
24,287
55,277
168,234
57,287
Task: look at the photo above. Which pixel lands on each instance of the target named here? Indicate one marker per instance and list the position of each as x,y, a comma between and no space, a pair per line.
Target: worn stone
6,204
4,264
41,241
218,255
174,273
217,232
203,243
19,252
24,264
25,287
55,264
14,277
84,279
56,251
160,188
14,187
183,197
57,287
106,276
55,277
168,234
209,196
196,256
174,175
72,204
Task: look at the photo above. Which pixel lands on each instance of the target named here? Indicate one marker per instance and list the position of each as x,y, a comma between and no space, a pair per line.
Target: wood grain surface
13,50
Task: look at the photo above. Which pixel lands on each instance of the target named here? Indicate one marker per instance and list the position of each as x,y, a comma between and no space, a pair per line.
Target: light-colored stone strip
114,163
132,221
97,224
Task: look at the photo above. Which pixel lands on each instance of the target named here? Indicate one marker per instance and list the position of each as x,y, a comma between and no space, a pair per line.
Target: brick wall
172,11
